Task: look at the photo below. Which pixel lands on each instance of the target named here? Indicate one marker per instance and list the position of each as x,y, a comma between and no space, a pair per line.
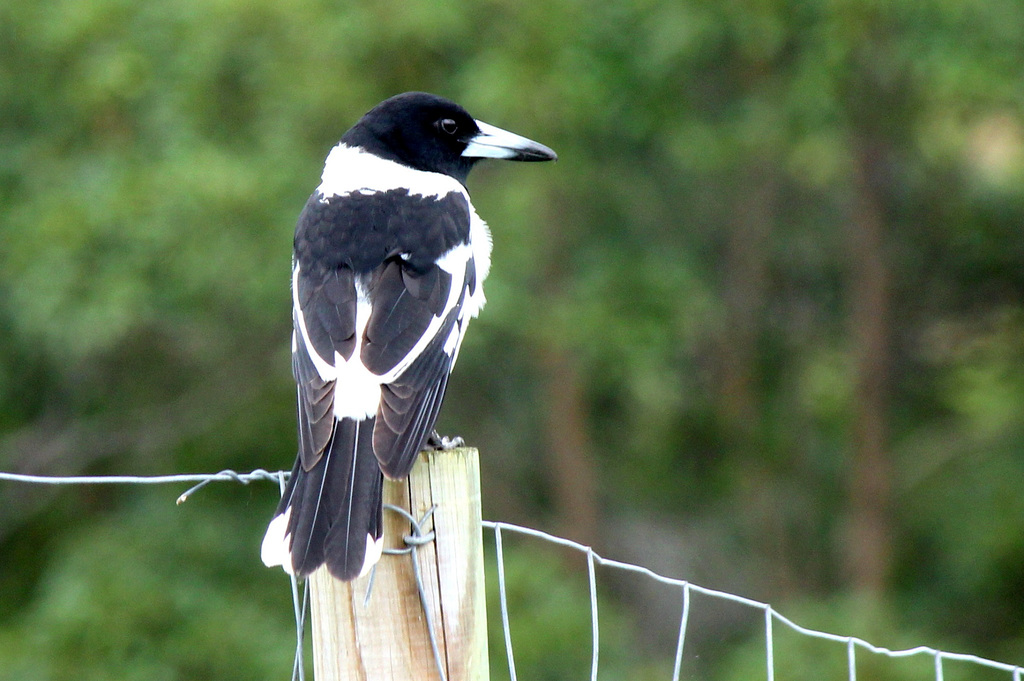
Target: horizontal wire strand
259,474
1017,670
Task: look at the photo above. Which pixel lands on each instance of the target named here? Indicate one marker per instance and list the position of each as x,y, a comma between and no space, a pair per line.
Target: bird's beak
492,142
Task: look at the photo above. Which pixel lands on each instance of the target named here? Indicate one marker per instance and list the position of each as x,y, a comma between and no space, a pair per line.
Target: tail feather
332,513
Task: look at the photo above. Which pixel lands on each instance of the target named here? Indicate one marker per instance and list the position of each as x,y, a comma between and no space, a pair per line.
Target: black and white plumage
388,266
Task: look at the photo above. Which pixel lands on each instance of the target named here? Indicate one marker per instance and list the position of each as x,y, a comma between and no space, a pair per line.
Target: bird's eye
448,126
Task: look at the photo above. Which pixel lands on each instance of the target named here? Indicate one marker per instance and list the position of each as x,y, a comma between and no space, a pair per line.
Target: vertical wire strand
938,666
299,608
503,599
428,620
593,615
769,643
683,620
299,667
851,659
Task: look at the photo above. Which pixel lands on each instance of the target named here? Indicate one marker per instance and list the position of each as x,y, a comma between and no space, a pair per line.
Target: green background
760,327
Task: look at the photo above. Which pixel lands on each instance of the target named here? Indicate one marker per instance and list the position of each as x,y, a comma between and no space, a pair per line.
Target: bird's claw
444,443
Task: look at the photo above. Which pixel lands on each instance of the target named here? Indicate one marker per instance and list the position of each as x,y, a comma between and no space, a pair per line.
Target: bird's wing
428,306
411,338
325,322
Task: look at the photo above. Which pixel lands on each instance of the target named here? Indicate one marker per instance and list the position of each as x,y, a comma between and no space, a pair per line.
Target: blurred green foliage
157,597
773,291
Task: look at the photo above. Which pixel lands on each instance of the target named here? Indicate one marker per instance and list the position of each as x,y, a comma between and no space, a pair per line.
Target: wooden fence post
388,638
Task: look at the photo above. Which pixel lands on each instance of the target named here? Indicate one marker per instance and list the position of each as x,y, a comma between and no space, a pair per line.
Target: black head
431,133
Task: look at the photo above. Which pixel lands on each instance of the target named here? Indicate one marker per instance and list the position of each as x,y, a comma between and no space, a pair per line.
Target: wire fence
772,618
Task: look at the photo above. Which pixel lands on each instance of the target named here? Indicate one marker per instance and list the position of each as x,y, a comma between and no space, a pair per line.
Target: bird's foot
443,443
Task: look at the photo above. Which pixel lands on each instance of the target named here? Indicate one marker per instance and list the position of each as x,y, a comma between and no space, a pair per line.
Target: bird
388,267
